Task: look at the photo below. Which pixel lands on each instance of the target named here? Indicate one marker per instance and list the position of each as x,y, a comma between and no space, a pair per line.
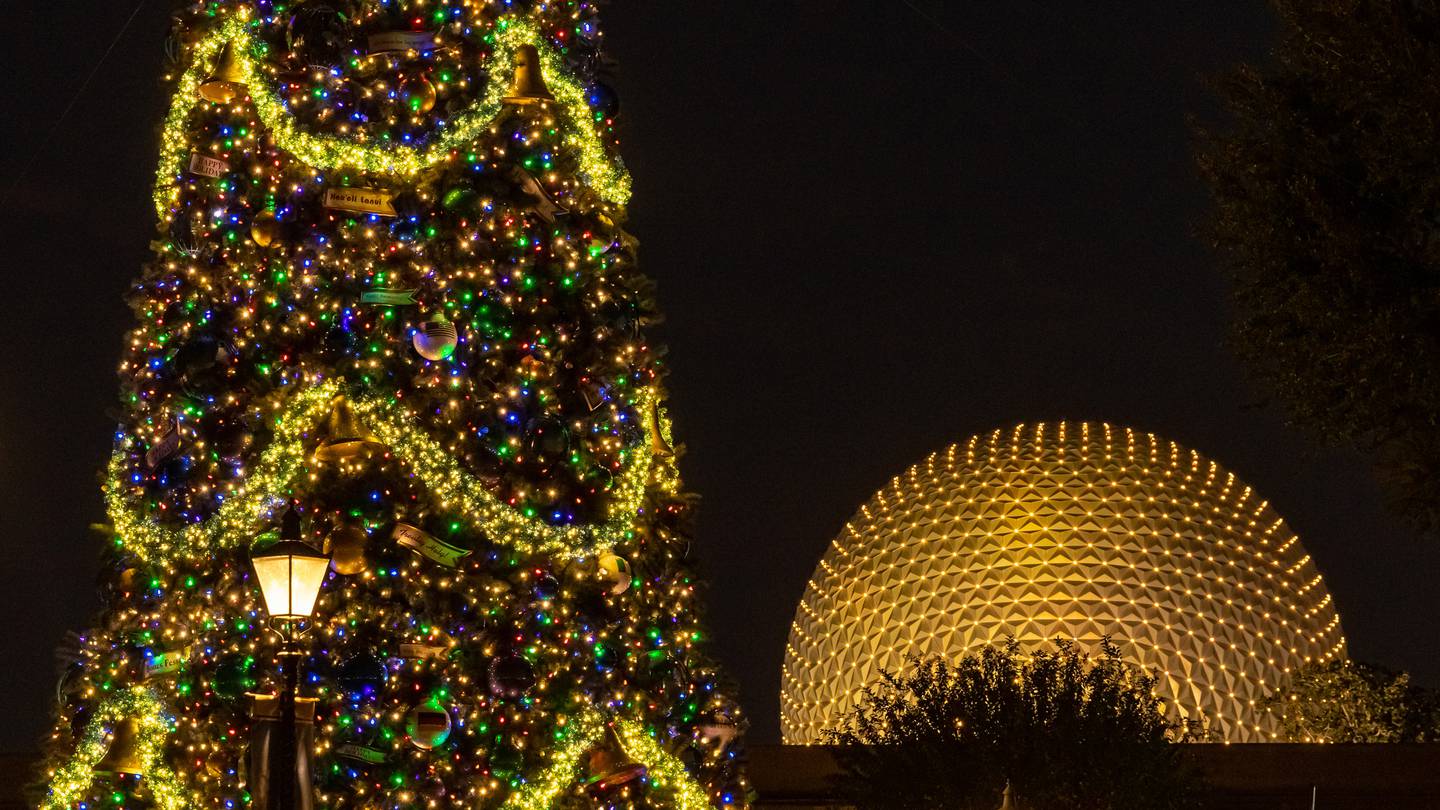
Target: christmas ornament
529,85
428,726
605,657
346,547
546,588
604,100
362,675
318,33
166,447
535,197
659,428
417,94
511,676
182,238
197,356
718,731
345,436
461,200
227,83
361,753
507,760
401,41
614,572
234,675
361,201
207,166
265,228
610,766
436,338
123,755
429,546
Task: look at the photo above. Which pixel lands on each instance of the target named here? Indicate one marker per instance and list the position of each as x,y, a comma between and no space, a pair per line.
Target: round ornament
436,338
546,588
428,726
265,228
511,677
461,200
362,675
418,94
506,760
604,100
317,32
615,574
234,676
347,550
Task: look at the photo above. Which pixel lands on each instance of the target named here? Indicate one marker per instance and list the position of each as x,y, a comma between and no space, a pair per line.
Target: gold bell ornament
610,767
529,86
227,83
346,437
1007,801
123,756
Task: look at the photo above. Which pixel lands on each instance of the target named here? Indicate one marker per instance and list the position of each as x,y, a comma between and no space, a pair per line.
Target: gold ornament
265,228
610,766
660,441
417,94
123,756
346,437
346,547
615,573
227,83
529,85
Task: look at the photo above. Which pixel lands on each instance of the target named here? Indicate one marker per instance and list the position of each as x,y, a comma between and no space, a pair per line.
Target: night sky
875,233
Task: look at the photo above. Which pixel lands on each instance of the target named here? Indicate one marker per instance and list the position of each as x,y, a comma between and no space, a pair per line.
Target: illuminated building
1065,530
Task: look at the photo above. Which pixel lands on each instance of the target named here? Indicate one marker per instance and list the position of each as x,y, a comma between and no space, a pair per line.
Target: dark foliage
1062,729
1327,183
1347,702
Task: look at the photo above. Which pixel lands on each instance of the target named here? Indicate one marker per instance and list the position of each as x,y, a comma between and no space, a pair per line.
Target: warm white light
1065,530
290,574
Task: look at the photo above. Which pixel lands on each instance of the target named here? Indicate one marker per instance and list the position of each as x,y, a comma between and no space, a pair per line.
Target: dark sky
872,237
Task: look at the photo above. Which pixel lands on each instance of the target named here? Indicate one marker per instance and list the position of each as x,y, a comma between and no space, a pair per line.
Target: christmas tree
392,314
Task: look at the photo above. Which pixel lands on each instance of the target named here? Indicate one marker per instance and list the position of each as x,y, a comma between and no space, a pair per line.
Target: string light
666,772
393,314
285,461
605,175
69,784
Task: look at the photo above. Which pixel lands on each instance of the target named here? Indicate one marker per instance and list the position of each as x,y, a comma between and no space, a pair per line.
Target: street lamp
290,574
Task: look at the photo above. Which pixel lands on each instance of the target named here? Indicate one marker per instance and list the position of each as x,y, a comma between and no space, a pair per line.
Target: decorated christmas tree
393,320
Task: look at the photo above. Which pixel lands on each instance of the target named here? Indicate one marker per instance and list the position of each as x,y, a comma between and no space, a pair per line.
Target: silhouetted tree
1327,183
1063,729
1346,702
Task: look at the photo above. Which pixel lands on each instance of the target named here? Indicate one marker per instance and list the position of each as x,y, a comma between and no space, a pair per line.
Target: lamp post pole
284,755
291,574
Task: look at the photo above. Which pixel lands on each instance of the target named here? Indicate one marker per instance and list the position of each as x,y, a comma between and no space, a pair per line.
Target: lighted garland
70,782
284,461
664,770
606,175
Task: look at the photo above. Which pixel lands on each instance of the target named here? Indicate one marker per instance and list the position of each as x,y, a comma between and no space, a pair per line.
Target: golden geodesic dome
1065,530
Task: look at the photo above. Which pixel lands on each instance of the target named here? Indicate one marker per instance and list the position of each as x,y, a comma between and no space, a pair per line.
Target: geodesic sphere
1065,530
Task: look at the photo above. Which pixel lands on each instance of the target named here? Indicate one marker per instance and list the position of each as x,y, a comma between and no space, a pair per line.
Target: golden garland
606,175
69,783
665,771
281,464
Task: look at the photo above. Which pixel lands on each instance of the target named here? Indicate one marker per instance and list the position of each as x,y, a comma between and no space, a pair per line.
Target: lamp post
290,574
